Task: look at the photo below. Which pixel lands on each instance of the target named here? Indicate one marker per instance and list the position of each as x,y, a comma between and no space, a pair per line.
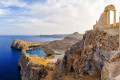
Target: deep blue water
39,52
9,57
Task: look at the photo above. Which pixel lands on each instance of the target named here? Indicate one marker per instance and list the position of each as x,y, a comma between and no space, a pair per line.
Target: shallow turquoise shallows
39,52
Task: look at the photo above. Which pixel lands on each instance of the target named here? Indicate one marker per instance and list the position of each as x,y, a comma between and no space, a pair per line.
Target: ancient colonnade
107,15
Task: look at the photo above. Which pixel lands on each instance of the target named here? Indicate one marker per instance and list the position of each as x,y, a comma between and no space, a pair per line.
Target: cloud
2,12
8,3
52,16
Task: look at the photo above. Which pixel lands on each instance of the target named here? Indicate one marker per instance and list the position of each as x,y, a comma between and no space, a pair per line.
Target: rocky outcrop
111,68
88,56
33,67
20,44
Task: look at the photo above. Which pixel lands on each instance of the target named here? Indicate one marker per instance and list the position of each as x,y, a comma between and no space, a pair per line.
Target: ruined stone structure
119,31
104,21
107,15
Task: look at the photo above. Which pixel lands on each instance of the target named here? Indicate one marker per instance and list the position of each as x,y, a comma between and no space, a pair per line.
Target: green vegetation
48,55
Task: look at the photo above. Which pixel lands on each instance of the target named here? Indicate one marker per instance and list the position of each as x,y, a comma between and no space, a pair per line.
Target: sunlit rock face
33,67
111,68
87,56
20,44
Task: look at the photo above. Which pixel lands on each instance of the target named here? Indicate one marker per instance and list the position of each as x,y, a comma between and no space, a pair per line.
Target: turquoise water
9,57
39,52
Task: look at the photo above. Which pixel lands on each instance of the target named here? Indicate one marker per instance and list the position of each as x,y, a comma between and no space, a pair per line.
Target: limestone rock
111,68
88,56
20,44
33,67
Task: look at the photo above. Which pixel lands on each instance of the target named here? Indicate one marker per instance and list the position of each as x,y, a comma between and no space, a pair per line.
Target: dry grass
85,77
34,59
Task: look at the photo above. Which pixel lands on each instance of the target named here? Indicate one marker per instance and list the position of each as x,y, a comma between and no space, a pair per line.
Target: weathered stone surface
88,55
33,67
101,23
111,68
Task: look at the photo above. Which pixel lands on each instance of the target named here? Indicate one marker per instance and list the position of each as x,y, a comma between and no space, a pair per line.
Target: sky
35,17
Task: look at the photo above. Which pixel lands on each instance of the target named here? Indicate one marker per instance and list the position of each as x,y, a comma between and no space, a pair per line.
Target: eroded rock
33,67
111,68
88,56
20,44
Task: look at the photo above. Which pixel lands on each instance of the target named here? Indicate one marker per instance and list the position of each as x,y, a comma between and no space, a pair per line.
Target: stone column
108,18
115,18
119,31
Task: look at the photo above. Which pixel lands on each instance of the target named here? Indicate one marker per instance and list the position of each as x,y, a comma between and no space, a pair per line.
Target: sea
9,57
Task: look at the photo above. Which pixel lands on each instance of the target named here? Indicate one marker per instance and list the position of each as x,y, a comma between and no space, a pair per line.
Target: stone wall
112,30
101,23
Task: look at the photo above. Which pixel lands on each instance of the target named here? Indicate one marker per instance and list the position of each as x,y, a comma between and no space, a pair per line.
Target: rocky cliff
88,57
20,44
111,68
33,67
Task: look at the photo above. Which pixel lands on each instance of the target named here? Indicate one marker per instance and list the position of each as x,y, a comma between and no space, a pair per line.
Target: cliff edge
89,57
33,67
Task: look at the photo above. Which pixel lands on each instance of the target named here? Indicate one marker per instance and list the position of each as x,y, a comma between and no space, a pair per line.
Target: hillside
88,57
66,43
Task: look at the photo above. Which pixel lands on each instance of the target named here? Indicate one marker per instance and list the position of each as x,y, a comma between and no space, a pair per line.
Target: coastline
53,49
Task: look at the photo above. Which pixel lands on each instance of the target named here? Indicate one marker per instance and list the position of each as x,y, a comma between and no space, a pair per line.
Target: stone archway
107,15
